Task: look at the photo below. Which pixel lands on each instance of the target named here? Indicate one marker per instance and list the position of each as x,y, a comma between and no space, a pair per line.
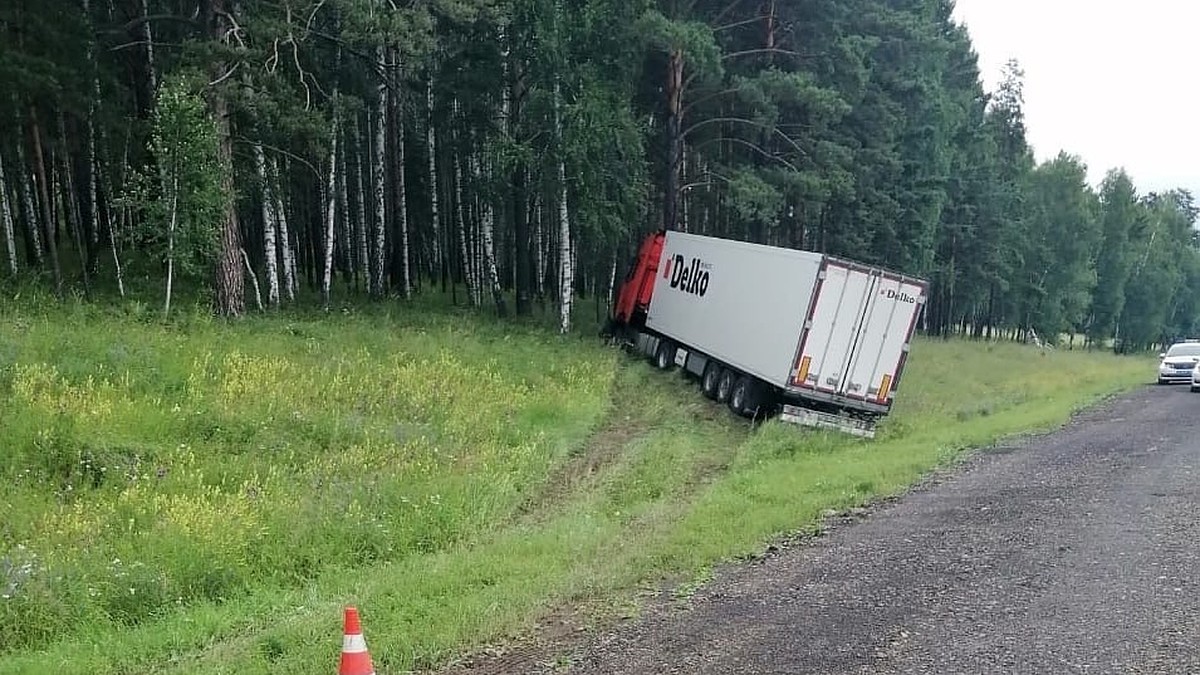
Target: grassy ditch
203,497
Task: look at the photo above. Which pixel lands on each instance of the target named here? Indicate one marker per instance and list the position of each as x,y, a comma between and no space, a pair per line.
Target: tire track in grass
645,405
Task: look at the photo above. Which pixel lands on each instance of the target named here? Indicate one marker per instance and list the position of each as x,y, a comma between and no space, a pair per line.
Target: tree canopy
521,148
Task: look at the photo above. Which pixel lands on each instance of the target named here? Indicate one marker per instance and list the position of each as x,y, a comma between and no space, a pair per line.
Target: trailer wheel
725,384
749,398
738,397
664,358
711,379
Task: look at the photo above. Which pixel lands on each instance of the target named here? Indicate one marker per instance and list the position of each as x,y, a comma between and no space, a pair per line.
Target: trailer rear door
856,339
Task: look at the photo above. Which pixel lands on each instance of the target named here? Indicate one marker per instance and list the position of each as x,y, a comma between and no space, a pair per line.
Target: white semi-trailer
819,339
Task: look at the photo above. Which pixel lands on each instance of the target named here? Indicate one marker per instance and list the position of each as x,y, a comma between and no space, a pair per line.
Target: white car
1179,363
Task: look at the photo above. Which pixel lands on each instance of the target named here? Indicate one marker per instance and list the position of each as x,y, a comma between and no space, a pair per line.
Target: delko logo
893,294
689,278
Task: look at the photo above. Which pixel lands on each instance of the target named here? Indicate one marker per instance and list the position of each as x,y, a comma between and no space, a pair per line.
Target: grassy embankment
197,497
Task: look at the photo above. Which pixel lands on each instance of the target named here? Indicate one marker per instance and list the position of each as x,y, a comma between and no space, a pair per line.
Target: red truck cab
634,296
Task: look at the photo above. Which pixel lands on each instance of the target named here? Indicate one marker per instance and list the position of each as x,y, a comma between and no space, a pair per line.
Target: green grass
200,497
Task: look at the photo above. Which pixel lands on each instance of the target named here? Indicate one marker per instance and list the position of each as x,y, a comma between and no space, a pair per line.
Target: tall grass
203,497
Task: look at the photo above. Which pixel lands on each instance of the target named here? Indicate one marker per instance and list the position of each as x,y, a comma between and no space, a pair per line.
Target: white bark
612,280
6,218
464,250
566,274
476,250
345,232
364,260
284,244
106,179
401,200
330,213
253,280
269,227
171,239
32,219
378,178
431,140
93,216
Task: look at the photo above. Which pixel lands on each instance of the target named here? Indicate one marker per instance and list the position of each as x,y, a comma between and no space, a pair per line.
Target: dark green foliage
854,127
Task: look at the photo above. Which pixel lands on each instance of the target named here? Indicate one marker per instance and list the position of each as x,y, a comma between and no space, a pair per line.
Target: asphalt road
1074,552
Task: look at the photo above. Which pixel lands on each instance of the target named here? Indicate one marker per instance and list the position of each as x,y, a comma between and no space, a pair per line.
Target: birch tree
431,147
401,207
6,218
487,236
330,211
379,180
287,253
184,197
270,255
32,218
566,273
364,258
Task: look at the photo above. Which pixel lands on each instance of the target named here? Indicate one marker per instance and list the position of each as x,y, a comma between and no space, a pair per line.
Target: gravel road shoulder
1075,551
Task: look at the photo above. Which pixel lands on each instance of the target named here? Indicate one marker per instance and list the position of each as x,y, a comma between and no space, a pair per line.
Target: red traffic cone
355,658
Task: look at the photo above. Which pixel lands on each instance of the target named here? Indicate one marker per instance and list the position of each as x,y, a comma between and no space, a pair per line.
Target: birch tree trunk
345,233
6,218
269,227
566,272
33,220
360,204
253,280
612,281
330,211
461,226
92,219
431,141
401,196
379,180
172,221
287,254
105,179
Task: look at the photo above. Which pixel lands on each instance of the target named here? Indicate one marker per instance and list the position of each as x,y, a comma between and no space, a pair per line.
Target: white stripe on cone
354,644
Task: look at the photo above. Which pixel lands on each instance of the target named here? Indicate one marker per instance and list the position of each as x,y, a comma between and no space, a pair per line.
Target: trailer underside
765,401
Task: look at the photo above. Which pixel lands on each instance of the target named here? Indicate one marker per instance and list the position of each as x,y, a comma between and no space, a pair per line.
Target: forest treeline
517,150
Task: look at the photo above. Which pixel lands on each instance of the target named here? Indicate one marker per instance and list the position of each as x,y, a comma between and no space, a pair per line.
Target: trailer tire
710,380
725,384
749,398
739,395
664,357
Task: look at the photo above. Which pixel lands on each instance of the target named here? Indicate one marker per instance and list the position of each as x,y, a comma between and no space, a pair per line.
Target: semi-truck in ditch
816,339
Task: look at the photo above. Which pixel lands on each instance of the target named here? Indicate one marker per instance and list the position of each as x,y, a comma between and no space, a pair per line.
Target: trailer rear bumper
815,418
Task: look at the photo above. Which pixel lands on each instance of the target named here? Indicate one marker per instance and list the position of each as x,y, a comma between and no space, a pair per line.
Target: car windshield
1190,349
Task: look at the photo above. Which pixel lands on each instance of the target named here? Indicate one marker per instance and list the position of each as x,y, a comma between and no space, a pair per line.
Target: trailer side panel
743,304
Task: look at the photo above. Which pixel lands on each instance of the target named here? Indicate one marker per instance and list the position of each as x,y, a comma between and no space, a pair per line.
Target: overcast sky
1114,82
